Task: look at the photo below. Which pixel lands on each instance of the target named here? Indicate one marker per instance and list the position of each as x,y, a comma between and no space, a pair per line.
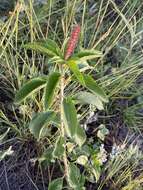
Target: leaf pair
38,122
50,48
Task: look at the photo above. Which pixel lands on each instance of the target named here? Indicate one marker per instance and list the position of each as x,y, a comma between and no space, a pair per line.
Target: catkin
72,41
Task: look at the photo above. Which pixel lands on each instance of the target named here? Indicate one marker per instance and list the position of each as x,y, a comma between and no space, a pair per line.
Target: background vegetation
113,27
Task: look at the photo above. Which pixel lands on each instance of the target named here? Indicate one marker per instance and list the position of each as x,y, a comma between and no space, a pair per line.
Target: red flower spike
72,41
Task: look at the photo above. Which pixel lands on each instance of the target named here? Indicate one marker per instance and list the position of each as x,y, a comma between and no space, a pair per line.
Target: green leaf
45,130
40,47
70,146
89,98
74,68
70,117
88,54
50,89
82,181
74,178
46,157
80,136
29,88
57,120
97,172
93,87
53,46
59,148
48,47
72,128
38,122
82,160
73,175
96,165
102,132
79,188
56,184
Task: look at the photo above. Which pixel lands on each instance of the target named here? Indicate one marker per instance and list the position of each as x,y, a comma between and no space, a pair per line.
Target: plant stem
65,160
